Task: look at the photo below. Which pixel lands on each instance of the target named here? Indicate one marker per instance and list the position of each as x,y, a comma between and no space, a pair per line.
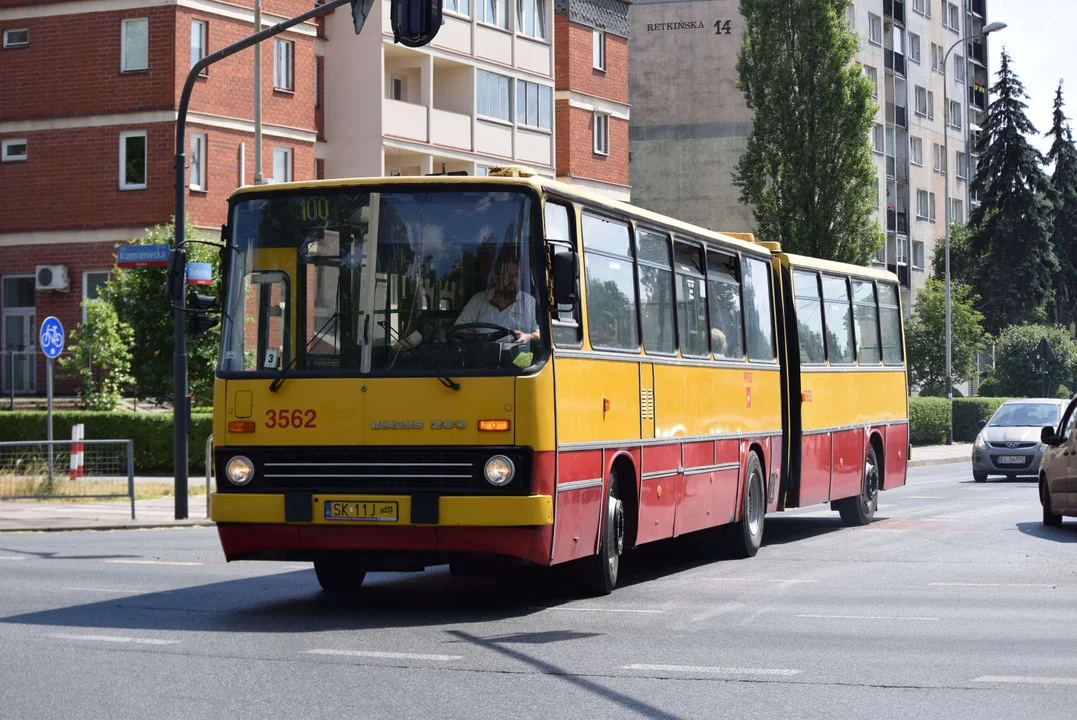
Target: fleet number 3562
290,418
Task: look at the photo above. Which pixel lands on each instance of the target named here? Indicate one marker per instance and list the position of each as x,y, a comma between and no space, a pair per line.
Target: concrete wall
353,122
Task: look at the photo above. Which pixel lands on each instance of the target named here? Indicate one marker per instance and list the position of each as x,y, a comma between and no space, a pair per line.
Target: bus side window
567,331
867,323
839,320
691,300
723,284
758,309
612,300
809,317
890,321
656,292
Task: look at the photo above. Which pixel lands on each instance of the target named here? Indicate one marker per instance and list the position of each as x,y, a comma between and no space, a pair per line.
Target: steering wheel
461,333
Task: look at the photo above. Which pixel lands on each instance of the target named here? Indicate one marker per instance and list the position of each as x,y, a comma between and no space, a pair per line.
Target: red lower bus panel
240,540
897,446
815,469
324,537
695,504
725,496
531,544
847,464
576,523
657,508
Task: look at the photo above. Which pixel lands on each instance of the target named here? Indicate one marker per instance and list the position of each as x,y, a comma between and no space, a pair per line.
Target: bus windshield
449,284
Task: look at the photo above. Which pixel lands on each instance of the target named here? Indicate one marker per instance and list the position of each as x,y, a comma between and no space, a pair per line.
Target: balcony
978,97
894,9
895,62
449,129
405,120
978,52
977,7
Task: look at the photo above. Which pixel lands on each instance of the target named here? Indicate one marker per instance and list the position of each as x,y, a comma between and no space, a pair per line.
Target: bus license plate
361,510
1011,460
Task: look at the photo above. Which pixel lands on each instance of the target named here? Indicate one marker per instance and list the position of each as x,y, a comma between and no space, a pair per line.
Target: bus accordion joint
494,425
241,427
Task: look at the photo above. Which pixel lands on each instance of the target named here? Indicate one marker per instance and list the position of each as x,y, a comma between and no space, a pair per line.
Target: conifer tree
1063,155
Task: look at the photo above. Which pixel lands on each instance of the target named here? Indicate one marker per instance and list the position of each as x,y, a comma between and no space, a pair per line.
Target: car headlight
499,471
239,470
980,445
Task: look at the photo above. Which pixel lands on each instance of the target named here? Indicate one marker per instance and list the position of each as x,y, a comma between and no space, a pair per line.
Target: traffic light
414,22
199,320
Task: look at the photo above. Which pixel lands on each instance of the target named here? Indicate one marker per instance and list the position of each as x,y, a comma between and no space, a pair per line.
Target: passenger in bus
718,343
503,303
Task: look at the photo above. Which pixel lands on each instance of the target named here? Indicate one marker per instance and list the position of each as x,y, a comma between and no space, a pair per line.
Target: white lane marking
609,610
113,638
918,497
1003,585
11,557
867,617
150,562
713,670
1026,680
764,580
383,655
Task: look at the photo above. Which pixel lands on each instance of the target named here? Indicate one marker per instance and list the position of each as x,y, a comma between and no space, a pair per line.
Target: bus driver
503,303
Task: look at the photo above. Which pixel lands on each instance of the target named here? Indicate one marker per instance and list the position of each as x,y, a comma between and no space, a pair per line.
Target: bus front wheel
747,536
601,571
860,510
338,576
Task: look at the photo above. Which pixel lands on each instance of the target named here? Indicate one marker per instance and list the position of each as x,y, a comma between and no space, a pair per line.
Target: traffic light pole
177,268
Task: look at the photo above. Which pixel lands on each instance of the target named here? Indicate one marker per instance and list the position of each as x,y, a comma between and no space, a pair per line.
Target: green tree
1063,156
962,259
1016,371
138,296
1011,227
925,336
808,169
100,356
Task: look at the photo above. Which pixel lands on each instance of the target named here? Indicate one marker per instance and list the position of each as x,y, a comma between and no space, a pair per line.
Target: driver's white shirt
520,315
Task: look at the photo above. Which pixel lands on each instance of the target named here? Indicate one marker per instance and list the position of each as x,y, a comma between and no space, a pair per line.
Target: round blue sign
52,337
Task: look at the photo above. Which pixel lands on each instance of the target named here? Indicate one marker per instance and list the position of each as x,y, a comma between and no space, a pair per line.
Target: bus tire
600,572
860,510
746,536
338,576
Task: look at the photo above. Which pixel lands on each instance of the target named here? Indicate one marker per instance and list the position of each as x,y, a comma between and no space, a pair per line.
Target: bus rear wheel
860,510
746,536
337,575
600,571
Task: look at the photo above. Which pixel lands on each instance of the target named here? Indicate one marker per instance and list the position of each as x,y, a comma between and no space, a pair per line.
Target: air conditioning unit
52,277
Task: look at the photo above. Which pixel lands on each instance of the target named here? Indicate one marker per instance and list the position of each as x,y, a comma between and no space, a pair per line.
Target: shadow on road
1065,534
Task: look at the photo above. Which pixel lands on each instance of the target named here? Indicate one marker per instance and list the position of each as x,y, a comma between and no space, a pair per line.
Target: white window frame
917,263
7,156
485,75
459,7
962,166
86,287
938,158
289,163
954,14
954,118
284,73
916,150
7,35
198,142
959,69
598,49
918,7
200,29
957,210
878,139
123,44
918,108
124,185
521,92
601,133
873,75
914,48
500,10
875,29
922,212
850,12
930,105
538,12
931,202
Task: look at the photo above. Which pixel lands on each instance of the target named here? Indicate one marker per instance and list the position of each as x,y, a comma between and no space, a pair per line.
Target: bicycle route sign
52,337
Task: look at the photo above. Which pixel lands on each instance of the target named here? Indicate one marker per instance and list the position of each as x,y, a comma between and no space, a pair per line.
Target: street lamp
992,27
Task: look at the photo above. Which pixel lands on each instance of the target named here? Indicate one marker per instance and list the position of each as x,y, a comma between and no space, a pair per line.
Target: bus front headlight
239,470
499,471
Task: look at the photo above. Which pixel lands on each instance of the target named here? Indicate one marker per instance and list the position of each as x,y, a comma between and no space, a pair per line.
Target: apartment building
690,125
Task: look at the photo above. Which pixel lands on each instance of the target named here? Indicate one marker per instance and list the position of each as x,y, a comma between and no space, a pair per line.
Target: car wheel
1050,518
337,575
979,477
860,510
746,536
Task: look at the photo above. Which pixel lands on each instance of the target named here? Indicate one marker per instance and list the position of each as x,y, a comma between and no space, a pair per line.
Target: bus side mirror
564,277
415,22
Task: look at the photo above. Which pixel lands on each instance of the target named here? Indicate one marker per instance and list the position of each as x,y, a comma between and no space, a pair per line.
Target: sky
1039,39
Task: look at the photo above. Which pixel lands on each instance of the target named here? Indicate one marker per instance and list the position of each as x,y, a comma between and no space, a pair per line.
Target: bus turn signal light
241,427
494,425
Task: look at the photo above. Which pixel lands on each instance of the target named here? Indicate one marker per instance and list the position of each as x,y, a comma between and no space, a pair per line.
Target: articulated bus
430,370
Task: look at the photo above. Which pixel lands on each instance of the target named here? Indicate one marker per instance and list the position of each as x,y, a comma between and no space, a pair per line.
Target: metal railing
42,470
18,372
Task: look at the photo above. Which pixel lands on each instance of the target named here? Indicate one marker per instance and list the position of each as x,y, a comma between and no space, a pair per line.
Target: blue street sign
199,273
51,337
134,256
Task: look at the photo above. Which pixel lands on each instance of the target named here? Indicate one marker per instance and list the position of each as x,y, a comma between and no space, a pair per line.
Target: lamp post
992,27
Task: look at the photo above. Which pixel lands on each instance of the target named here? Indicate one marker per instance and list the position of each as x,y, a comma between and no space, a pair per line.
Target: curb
938,461
135,525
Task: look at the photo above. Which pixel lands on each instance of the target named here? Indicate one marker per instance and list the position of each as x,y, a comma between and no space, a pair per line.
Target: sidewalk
46,516
940,454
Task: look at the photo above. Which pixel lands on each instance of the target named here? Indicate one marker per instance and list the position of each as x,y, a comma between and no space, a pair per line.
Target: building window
133,160
16,38
918,254
14,150
916,151
930,105
922,209
135,48
875,29
398,88
492,12
914,48
481,171
918,6
598,49
873,75
460,7
962,166
92,282
936,58
875,184
957,211
198,161
877,138
959,69
199,43
531,18
283,65
938,154
955,114
955,17
493,96
602,133
850,12
931,208
533,105
282,164
920,100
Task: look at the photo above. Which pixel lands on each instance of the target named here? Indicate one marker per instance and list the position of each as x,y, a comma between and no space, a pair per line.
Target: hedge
968,412
929,420
151,433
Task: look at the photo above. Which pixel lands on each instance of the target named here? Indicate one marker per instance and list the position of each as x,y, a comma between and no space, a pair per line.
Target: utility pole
258,96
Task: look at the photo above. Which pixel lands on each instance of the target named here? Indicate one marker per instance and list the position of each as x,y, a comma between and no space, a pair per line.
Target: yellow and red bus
429,370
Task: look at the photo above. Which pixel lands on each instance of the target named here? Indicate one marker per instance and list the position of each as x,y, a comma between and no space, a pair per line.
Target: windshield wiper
279,380
445,379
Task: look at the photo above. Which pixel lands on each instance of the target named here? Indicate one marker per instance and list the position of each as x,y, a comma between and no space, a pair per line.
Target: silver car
1009,443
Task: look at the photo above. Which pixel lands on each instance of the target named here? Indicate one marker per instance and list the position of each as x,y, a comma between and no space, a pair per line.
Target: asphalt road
955,603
